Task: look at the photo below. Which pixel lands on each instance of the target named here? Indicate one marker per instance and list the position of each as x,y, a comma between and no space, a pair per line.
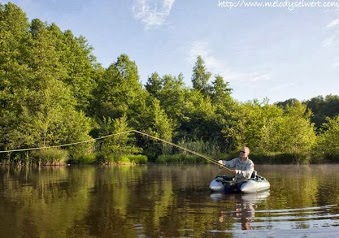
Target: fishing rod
182,148
111,135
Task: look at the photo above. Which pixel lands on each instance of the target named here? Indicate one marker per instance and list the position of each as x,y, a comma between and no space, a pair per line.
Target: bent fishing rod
125,132
182,148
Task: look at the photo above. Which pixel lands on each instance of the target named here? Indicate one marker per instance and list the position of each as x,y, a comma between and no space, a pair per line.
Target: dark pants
233,187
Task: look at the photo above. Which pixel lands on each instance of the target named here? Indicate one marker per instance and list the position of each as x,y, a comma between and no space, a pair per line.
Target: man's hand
221,164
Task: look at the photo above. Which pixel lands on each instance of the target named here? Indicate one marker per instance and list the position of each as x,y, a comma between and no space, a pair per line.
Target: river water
166,201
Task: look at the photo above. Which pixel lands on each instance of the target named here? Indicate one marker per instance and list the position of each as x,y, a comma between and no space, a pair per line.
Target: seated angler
242,167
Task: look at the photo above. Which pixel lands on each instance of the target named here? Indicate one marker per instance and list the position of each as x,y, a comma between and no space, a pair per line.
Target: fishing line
185,149
178,146
64,145
115,134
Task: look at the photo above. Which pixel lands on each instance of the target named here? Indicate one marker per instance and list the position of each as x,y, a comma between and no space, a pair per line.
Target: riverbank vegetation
54,92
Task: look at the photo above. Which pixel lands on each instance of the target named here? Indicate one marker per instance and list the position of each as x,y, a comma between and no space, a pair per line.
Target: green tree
173,96
292,132
287,103
14,38
49,103
119,92
220,92
247,120
158,124
323,108
119,141
154,84
199,113
200,76
80,64
269,129
327,142
38,109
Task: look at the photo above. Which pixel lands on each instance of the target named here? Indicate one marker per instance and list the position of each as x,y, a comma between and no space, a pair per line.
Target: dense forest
54,92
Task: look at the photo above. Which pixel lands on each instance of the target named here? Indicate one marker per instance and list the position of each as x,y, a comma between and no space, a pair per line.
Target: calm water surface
166,201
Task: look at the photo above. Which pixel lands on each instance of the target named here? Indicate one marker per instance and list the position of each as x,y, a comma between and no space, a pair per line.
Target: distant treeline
54,92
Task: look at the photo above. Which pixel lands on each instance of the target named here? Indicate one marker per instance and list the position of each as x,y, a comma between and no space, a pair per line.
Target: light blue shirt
243,169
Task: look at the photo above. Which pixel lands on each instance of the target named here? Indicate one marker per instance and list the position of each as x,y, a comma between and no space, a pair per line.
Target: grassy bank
272,158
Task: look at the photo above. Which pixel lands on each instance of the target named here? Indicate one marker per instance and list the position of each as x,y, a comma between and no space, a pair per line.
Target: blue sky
263,52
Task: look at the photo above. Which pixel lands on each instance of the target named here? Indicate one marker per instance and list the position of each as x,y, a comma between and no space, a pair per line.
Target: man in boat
242,167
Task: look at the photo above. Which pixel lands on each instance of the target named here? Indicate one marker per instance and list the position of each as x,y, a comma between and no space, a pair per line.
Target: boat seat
254,174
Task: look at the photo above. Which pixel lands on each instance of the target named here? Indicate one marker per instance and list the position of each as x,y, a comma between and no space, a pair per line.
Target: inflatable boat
223,183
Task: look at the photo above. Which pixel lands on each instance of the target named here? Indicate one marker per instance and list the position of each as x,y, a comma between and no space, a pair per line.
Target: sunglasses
242,151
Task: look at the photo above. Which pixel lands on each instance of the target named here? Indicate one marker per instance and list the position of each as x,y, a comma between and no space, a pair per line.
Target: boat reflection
244,210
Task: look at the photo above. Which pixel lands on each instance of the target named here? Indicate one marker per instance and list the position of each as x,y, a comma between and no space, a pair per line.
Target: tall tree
327,141
268,128
292,132
119,143
173,96
50,107
323,108
246,122
198,114
119,92
220,92
158,124
200,76
14,38
154,84
287,103
80,64
38,108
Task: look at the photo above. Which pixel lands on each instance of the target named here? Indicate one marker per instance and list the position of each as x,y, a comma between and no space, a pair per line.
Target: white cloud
252,76
152,13
217,66
329,41
336,62
333,23
333,34
201,48
283,86
332,40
